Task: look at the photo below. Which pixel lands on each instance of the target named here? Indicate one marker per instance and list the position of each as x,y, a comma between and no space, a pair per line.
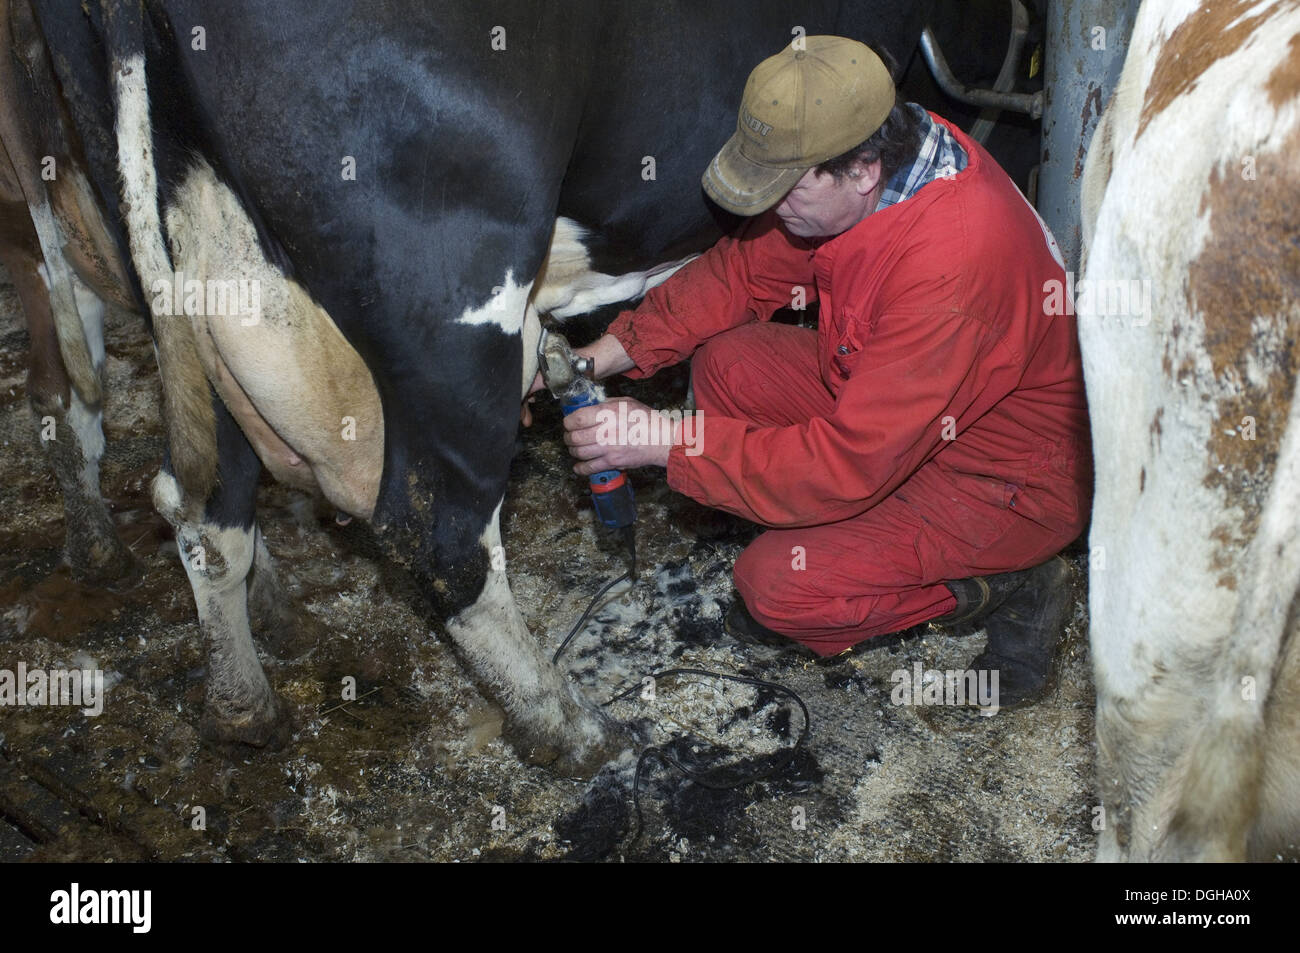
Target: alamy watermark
230,298
964,687
638,428
37,687
1099,297
132,908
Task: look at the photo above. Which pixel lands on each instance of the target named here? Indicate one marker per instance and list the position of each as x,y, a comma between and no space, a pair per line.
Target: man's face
822,205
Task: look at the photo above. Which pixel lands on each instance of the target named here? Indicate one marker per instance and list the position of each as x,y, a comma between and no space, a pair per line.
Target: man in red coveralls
924,454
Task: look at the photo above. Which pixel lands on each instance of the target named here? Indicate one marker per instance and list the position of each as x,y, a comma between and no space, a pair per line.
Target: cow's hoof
586,766
266,729
582,763
106,565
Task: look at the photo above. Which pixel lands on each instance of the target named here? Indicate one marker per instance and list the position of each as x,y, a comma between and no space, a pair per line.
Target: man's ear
868,176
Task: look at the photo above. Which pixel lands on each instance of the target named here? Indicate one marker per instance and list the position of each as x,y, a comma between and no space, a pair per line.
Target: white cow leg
548,721
240,705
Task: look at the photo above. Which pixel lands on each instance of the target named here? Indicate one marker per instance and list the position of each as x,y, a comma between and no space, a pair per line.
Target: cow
56,247
1190,197
62,253
407,190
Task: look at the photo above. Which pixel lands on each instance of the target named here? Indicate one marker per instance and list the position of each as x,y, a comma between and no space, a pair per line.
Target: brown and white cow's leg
1237,800
91,545
65,330
51,232
1196,434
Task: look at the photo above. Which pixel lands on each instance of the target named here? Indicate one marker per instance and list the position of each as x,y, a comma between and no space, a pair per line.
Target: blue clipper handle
611,494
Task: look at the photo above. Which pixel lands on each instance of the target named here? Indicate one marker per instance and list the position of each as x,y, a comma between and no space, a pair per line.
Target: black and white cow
409,185
1191,346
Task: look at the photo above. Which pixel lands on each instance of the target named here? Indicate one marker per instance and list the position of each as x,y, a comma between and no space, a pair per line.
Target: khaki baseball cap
800,108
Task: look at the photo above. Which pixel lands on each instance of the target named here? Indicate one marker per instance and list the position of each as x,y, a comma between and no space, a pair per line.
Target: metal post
1085,46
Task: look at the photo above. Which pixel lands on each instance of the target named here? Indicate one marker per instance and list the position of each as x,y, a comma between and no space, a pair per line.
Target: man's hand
617,435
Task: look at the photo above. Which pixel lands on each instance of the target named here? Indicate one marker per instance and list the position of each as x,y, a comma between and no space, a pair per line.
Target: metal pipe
1031,103
983,126
1085,45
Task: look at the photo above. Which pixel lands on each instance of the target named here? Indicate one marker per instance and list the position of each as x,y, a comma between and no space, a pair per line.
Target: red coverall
934,427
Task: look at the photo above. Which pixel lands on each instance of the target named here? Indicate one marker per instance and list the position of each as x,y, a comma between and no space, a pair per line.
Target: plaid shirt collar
940,156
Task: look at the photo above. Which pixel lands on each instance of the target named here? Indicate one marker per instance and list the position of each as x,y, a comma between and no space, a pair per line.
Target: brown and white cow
1192,190
55,245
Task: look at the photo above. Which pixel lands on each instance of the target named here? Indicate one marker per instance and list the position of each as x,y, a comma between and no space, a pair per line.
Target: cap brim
742,186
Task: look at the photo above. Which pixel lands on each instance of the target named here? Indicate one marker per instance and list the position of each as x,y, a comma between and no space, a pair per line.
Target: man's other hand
617,435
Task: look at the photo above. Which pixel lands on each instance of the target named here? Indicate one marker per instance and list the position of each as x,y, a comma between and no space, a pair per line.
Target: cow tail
187,402
1226,761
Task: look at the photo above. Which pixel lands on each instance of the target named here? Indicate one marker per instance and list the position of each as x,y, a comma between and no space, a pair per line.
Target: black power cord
665,755
711,779
629,542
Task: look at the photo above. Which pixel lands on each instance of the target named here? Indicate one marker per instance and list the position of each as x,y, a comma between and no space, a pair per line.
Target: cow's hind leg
548,723
217,540
91,545
70,427
283,626
65,403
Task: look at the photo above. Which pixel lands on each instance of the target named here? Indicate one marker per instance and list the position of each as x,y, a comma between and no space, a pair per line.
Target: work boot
1024,614
979,596
743,627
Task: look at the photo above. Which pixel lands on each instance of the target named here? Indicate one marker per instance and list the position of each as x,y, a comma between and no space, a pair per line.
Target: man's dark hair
895,143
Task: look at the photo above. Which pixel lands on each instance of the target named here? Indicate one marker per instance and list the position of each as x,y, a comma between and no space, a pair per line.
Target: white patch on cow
166,494
88,425
501,651
567,284
505,306
53,269
62,286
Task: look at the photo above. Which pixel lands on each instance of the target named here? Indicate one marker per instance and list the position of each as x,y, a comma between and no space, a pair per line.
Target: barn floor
416,769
